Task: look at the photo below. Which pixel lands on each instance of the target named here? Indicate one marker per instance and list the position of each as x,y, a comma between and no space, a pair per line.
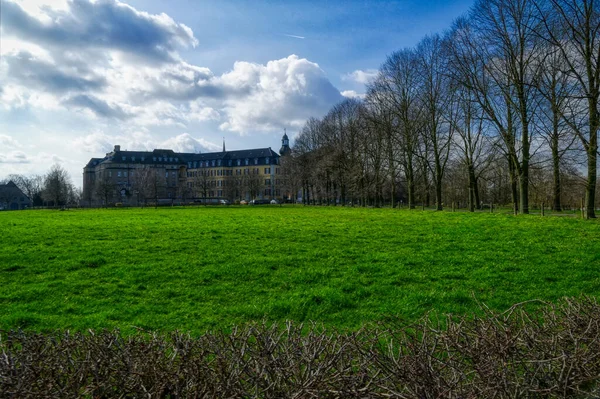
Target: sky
80,76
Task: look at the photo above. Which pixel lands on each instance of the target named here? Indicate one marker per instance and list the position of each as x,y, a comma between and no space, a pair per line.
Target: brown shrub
552,352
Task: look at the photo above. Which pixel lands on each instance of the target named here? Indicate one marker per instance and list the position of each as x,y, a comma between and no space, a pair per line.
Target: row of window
218,162
222,183
155,159
225,172
219,193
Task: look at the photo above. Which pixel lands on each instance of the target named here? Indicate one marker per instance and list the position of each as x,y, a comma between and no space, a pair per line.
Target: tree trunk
513,184
410,183
556,171
592,176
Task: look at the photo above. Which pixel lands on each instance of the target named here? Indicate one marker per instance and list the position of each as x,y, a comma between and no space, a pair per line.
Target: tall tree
436,98
573,27
399,78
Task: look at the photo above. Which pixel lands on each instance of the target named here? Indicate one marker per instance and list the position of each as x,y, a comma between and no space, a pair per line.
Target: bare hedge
550,352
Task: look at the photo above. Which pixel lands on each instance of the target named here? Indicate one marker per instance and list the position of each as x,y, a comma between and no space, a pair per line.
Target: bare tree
573,27
436,98
57,183
105,189
399,79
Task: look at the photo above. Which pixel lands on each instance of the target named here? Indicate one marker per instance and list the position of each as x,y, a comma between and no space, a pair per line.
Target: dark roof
10,190
93,162
179,158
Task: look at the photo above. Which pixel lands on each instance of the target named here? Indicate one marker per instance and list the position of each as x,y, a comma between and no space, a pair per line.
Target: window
229,163
267,160
238,162
170,159
276,171
255,161
189,164
173,174
213,162
143,159
131,174
267,182
219,162
154,159
132,159
119,173
256,171
195,164
267,171
176,159
247,160
125,174
238,172
167,175
124,158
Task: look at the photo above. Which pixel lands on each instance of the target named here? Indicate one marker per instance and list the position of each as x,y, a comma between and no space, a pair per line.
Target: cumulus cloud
99,143
83,56
107,24
360,76
285,91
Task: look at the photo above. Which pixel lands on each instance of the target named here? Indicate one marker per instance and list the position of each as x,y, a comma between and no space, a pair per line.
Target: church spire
285,144
223,144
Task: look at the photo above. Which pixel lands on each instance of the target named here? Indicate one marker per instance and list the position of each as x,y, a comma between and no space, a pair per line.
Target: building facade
164,176
12,198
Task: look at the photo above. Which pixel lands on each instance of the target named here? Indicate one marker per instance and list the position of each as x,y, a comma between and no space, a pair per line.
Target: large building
164,176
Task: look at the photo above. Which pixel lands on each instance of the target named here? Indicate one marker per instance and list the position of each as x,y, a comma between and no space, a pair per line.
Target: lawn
196,269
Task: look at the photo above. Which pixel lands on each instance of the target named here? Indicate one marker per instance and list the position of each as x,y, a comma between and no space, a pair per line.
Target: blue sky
79,76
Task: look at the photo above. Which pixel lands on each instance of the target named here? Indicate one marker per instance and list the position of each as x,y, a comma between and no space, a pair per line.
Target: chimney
117,148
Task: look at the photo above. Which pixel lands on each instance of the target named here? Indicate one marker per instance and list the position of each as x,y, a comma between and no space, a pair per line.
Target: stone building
164,176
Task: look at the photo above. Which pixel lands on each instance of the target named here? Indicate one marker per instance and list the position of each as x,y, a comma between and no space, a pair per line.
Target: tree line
54,189
502,108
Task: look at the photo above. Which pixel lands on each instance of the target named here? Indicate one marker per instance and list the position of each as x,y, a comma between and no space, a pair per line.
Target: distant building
164,176
12,198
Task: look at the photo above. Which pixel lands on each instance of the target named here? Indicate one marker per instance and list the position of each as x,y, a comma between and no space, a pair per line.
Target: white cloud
186,143
8,142
360,76
352,94
14,157
100,143
283,92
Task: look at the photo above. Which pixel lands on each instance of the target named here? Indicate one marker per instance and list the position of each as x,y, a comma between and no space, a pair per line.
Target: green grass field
205,268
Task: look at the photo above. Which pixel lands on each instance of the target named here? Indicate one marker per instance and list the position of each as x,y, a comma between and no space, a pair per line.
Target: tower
285,145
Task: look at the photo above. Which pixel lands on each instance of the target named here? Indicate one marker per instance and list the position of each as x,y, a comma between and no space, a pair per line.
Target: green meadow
195,269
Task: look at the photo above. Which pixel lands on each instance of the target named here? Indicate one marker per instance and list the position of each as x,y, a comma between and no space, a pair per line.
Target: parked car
223,202
274,202
259,202
243,202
